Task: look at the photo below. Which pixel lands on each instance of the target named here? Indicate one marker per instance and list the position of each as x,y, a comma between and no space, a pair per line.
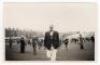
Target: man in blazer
51,43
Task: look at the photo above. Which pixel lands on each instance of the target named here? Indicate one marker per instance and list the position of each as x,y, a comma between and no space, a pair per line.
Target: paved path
72,53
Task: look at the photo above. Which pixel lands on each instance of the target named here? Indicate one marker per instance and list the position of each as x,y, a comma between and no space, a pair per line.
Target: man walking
51,43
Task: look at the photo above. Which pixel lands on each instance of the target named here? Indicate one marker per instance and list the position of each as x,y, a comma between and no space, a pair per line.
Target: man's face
51,28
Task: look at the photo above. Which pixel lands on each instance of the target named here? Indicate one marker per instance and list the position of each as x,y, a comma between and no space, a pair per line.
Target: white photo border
2,43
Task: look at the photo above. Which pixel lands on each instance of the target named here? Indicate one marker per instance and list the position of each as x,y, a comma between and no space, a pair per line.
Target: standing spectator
10,42
93,39
66,43
34,43
22,45
81,41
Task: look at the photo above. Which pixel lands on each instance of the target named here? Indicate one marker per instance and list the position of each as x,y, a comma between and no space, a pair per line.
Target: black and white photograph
50,31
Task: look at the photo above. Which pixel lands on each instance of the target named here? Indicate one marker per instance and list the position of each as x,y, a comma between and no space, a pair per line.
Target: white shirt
51,33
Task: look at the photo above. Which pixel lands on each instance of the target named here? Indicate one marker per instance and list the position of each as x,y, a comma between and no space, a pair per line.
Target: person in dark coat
51,43
66,43
93,39
81,41
22,45
10,42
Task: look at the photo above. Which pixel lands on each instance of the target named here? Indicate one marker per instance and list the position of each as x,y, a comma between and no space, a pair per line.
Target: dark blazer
54,41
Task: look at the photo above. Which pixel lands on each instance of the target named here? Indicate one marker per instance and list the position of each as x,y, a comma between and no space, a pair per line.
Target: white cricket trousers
51,54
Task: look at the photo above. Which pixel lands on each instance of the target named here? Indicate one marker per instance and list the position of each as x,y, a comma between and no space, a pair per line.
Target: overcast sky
38,16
